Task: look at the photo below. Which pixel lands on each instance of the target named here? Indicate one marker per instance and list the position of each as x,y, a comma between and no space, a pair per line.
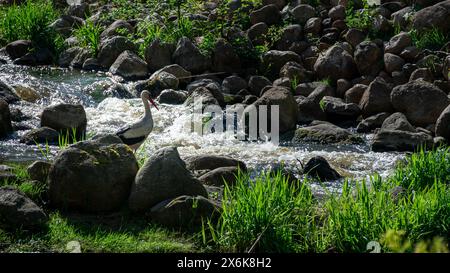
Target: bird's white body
135,134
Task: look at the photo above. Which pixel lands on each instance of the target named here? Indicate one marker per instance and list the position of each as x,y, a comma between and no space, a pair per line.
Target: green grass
433,38
267,214
88,36
125,236
30,21
35,191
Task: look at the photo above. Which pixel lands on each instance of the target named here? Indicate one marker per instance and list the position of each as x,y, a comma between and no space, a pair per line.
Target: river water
106,113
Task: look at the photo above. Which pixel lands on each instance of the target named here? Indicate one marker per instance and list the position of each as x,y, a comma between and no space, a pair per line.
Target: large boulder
38,171
397,43
116,28
395,140
163,176
189,57
318,167
170,96
129,66
368,58
324,133
92,176
436,16
336,63
65,118
371,123
302,13
5,119
17,211
443,124
288,109
420,101
211,162
158,54
376,98
233,84
184,212
336,108
158,82
269,14
111,48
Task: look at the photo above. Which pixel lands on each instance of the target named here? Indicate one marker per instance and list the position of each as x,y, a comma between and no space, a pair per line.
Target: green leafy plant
88,36
432,38
359,19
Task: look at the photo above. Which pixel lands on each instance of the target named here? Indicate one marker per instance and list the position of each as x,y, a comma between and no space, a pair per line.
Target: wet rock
91,64
394,140
397,43
288,109
80,58
39,170
184,212
274,60
257,83
111,48
92,176
27,93
436,16
18,48
309,109
158,54
65,118
269,14
420,101
189,57
397,121
337,13
163,176
170,96
5,119
393,62
68,55
43,135
129,66
443,124
116,29
318,167
371,123
368,58
211,162
204,96
224,58
218,177
335,63
233,84
376,98
17,211
324,133
301,13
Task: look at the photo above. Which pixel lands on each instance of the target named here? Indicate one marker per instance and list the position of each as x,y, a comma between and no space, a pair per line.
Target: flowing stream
107,113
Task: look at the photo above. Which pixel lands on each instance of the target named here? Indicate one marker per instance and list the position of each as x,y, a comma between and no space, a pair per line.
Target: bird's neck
148,112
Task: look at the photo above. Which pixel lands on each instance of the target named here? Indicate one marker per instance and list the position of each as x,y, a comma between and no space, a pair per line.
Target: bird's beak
153,103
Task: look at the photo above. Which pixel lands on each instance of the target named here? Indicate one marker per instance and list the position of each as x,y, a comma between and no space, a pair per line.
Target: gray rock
302,13
65,118
397,121
257,83
393,62
111,48
318,167
436,16
184,212
269,14
233,84
420,101
443,124
163,176
394,140
158,54
189,57
115,28
274,60
39,170
337,108
225,58
376,98
220,176
371,123
336,63
397,43
43,135
7,93
18,48
368,58
17,211
309,109
129,66
211,162
324,133
68,55
170,96
92,176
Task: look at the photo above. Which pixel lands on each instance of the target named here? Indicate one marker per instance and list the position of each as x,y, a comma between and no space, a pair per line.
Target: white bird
135,134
